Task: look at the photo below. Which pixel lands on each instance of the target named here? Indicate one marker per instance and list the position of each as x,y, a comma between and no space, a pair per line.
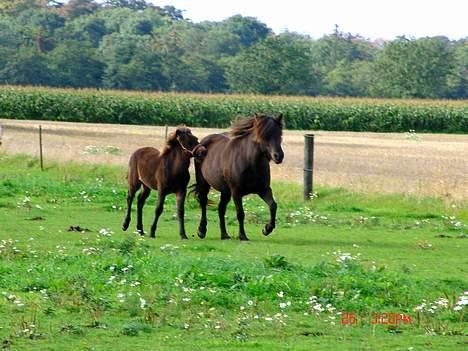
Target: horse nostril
277,157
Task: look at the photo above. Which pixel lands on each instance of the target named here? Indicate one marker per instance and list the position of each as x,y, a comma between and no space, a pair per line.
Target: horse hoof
183,237
225,237
243,238
267,229
125,225
201,233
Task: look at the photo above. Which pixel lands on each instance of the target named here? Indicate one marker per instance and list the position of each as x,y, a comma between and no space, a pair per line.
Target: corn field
217,110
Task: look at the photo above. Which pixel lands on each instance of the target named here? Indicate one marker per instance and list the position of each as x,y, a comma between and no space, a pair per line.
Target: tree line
133,44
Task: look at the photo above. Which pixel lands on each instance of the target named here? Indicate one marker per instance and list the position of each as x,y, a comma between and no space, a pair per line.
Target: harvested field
416,164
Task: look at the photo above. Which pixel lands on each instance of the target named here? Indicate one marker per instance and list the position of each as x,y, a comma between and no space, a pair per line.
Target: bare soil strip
416,164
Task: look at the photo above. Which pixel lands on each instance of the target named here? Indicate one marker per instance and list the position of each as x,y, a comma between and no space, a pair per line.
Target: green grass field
103,289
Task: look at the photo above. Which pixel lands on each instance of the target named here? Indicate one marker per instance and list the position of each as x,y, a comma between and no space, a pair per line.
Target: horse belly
214,177
212,170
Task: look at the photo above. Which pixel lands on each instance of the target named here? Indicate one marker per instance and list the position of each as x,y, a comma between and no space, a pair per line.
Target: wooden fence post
308,166
1,134
40,148
165,134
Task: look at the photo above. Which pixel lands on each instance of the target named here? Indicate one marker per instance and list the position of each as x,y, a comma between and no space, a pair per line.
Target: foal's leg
142,196
180,199
159,208
225,198
240,215
203,199
270,201
132,189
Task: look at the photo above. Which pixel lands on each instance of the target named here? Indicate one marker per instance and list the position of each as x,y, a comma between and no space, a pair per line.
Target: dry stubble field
416,164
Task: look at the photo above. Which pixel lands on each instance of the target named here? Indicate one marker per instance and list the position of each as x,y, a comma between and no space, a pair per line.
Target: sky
373,19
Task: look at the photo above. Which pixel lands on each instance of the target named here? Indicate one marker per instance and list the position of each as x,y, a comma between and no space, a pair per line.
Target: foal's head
184,138
266,131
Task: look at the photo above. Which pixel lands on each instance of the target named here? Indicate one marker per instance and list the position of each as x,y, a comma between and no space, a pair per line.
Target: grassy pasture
101,289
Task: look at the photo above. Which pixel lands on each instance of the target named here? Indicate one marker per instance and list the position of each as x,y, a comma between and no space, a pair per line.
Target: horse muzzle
278,157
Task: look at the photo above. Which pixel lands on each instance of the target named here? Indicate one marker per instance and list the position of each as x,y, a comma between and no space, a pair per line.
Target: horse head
268,133
184,137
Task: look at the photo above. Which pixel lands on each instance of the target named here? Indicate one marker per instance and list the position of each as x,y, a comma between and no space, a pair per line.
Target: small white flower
142,303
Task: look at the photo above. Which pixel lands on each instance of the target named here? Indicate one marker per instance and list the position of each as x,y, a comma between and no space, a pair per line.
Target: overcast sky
369,18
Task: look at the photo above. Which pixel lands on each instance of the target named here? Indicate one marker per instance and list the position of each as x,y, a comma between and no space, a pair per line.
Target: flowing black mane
261,124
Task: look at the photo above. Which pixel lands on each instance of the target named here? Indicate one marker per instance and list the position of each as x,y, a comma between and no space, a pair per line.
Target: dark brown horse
237,164
165,171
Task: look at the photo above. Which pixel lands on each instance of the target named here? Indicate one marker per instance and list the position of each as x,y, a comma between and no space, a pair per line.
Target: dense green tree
134,44
348,79
229,37
27,66
74,64
14,7
458,78
413,68
89,29
77,8
131,4
333,58
117,50
278,64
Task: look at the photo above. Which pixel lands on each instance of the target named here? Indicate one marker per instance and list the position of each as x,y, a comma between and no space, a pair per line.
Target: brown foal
166,171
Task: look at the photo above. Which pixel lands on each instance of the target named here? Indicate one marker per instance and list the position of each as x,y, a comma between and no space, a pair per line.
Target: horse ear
280,119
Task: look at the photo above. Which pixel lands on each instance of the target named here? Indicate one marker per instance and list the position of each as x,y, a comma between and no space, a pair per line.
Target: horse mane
261,124
172,140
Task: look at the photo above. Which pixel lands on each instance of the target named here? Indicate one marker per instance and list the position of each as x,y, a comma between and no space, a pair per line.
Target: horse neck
253,150
176,156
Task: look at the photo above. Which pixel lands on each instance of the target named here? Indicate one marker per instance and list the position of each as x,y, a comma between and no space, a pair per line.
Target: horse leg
159,208
132,189
180,199
240,216
225,198
142,196
270,201
203,199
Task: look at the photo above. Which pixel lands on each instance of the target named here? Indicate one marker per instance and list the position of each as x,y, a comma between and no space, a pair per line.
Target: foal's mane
260,124
172,140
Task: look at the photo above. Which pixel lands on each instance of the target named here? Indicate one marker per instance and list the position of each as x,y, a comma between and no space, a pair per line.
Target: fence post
1,134
165,134
40,148
308,165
